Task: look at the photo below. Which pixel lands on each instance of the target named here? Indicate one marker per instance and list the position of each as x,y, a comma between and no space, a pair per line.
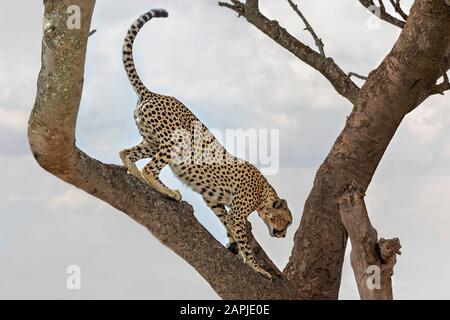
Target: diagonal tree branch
326,66
51,133
380,12
317,40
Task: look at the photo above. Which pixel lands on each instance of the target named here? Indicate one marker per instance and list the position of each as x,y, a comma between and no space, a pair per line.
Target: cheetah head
277,217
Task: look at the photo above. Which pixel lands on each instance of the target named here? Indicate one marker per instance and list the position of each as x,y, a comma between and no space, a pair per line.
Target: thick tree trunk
404,79
394,89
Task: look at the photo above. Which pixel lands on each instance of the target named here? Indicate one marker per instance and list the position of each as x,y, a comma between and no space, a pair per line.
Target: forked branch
442,87
380,12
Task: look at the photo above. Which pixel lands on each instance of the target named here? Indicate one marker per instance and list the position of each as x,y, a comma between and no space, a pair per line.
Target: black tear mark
414,84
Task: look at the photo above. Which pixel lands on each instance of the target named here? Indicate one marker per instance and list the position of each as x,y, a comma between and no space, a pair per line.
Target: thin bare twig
445,76
382,7
236,6
308,27
354,74
442,87
398,8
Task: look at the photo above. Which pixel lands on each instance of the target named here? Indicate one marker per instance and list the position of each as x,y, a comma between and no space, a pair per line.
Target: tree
335,208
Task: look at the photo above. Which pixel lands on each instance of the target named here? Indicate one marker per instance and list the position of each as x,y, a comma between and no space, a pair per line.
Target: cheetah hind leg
153,180
151,172
131,155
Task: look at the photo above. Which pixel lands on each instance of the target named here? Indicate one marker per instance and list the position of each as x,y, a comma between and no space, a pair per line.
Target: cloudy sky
232,77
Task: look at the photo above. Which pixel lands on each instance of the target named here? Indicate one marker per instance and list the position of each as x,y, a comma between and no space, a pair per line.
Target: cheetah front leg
221,213
236,223
151,173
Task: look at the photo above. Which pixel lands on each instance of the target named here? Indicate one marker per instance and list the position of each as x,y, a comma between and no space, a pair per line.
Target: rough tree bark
406,77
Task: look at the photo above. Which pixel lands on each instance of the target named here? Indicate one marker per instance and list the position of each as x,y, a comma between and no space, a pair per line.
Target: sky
232,77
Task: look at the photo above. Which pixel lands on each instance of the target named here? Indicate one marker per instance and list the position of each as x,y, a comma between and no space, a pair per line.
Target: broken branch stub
372,260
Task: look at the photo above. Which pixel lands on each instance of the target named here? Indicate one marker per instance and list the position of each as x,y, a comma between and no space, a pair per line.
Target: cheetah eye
276,204
280,203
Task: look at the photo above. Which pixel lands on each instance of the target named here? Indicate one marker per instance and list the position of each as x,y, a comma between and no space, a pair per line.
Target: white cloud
13,120
447,151
434,204
424,123
69,200
282,120
13,126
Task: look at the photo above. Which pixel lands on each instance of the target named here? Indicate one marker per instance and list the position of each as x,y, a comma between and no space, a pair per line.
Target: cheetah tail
127,50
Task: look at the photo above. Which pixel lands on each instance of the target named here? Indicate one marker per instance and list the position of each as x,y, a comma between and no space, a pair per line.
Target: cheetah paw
138,176
175,194
265,274
233,248
262,272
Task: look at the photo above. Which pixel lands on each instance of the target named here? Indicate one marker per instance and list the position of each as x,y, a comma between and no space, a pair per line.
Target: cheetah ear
280,204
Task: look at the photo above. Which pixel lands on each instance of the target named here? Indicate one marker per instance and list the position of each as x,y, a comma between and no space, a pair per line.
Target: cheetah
172,135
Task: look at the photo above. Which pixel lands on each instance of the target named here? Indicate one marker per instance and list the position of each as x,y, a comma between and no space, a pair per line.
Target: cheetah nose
279,233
